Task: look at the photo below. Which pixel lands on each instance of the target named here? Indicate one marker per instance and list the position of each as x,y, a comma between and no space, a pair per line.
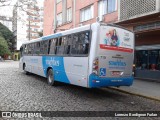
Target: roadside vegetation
6,41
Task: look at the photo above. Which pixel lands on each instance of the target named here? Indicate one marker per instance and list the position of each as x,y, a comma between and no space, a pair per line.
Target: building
61,15
6,15
35,20
143,17
27,21
41,14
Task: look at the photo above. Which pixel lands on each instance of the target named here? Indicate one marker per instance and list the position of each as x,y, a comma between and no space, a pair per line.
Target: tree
6,33
9,3
8,36
5,2
4,50
40,34
21,6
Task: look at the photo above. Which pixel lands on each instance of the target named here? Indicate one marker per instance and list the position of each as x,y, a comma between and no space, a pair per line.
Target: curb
148,80
136,94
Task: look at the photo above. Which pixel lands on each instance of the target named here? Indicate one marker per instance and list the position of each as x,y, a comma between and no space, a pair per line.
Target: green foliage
7,34
4,50
40,34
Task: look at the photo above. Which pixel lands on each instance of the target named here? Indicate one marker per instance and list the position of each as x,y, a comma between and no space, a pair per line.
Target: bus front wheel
50,77
24,68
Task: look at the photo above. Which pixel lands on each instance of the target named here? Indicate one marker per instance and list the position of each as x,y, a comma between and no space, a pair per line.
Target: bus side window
86,43
74,49
46,43
74,46
32,48
60,41
68,49
29,49
75,39
80,43
41,47
49,45
66,45
69,43
52,46
44,47
60,47
56,44
37,48
81,38
21,51
70,39
25,50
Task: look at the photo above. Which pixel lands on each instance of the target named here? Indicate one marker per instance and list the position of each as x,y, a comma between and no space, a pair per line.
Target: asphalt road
21,92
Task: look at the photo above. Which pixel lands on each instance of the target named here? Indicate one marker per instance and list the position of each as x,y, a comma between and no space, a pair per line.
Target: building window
69,14
59,19
36,30
112,5
106,6
87,13
58,1
148,59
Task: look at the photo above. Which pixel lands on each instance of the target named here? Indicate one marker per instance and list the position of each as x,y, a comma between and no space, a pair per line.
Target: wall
49,15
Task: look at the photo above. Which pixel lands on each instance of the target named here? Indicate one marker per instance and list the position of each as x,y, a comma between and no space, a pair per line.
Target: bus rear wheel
24,68
50,77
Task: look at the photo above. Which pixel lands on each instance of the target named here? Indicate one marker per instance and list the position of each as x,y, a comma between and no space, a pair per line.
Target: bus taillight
95,66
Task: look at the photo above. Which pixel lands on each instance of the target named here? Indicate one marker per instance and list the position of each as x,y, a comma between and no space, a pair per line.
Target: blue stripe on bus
57,65
51,36
96,81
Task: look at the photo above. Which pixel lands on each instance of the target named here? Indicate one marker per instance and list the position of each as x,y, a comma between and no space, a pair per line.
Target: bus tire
24,68
50,77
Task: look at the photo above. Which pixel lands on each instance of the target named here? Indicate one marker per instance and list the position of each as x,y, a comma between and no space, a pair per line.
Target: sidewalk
143,88
6,60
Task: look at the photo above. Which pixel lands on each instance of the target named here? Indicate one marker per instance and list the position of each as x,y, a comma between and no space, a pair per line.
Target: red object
116,48
153,66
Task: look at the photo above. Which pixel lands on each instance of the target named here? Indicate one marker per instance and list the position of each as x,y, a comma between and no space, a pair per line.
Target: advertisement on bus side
113,38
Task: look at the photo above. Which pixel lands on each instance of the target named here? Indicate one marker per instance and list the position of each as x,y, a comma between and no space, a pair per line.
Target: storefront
147,46
147,61
144,21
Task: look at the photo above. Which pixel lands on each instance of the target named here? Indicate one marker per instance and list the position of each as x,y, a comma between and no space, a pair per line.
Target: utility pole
74,14
55,16
29,34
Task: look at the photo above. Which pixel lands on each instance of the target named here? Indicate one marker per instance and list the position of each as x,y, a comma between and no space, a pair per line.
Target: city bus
92,56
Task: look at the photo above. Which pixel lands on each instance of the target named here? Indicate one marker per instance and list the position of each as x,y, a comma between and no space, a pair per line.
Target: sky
7,10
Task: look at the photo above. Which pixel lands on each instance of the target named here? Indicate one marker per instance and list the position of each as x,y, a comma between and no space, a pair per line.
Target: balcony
130,9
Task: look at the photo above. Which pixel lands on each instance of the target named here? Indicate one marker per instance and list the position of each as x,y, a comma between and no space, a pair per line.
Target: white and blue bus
95,55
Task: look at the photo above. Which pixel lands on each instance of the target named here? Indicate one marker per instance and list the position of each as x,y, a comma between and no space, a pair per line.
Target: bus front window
21,51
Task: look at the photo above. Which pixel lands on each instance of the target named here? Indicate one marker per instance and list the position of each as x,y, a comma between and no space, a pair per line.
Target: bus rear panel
112,65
